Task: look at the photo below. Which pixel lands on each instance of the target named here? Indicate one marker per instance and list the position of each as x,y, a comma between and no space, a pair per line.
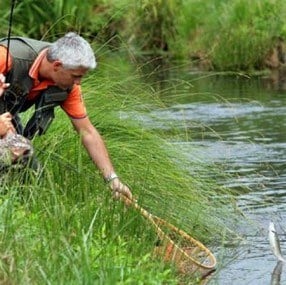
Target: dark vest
24,51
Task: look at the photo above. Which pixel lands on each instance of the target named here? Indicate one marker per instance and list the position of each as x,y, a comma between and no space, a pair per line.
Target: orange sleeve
3,58
74,105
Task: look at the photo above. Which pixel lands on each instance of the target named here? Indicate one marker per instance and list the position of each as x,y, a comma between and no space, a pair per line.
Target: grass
223,35
233,35
64,228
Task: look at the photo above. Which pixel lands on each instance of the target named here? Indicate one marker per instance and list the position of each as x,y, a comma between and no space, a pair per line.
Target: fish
14,148
274,242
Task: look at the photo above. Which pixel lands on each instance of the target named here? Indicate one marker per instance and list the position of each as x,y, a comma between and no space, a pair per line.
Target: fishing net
186,253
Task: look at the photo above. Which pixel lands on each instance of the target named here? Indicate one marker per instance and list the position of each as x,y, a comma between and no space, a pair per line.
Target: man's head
71,57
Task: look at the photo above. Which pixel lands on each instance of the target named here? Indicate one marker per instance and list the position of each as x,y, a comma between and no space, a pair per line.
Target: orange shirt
73,105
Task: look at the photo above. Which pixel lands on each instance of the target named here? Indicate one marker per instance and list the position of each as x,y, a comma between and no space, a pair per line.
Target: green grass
64,228
233,35
228,35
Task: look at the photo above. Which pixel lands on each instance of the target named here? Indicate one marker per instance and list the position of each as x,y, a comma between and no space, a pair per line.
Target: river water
237,123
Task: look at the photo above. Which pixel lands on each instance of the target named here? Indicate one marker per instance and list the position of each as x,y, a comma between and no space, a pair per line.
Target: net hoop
190,258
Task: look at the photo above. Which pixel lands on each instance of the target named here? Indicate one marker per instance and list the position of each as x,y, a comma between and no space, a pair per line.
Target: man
46,75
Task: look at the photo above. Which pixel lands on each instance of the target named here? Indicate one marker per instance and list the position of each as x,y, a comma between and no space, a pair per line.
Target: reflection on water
238,124
276,274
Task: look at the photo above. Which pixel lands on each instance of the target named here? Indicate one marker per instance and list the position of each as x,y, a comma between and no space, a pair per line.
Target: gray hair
73,51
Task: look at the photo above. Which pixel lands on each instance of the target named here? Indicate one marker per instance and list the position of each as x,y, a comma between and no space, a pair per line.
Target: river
237,123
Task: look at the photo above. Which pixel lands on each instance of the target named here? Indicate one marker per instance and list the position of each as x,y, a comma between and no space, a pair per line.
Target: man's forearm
97,150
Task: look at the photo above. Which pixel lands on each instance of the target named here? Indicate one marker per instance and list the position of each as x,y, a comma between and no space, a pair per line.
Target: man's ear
57,64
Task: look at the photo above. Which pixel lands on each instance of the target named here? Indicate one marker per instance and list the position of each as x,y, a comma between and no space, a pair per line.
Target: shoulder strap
44,111
24,48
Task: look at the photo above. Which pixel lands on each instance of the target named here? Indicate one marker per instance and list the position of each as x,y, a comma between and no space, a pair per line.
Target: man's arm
96,149
94,145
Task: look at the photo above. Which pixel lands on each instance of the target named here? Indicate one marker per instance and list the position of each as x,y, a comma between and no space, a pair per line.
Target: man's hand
6,124
118,188
3,85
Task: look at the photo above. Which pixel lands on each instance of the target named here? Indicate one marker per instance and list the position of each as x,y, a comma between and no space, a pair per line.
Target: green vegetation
235,35
64,228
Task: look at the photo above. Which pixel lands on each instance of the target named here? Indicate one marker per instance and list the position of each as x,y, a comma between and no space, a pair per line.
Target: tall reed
235,35
227,35
63,227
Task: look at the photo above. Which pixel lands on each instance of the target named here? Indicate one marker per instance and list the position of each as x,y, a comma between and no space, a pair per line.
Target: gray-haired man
46,75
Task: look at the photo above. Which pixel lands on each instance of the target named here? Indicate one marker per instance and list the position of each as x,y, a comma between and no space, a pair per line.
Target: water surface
237,123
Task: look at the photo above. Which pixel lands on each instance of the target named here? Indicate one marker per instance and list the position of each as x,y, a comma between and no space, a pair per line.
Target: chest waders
14,100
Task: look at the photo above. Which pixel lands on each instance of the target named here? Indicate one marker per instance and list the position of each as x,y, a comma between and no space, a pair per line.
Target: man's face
66,78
